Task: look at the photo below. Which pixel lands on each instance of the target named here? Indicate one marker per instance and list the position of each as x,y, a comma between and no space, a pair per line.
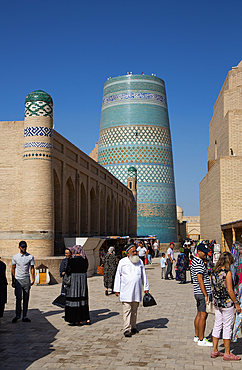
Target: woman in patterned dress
110,262
181,267
224,301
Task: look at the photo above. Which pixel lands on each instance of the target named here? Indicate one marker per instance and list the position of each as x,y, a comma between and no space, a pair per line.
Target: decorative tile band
157,219
35,155
138,134
132,96
145,173
135,154
156,193
37,158
38,108
38,145
38,131
134,81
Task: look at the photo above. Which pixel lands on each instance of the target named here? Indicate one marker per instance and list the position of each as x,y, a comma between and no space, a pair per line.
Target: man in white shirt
156,248
169,260
21,263
142,251
130,276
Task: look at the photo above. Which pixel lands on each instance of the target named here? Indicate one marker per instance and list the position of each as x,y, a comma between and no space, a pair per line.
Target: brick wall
220,190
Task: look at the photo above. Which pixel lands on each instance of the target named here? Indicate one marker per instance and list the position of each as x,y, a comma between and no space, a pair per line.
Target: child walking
163,265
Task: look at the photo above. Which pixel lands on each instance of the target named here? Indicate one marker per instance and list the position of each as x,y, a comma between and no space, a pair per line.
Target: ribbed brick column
37,199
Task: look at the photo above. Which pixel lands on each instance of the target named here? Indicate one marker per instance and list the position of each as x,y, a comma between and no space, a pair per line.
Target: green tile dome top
39,95
132,172
132,169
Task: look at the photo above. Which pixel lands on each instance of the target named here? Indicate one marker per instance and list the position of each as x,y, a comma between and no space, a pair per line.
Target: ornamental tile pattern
136,154
156,193
145,173
38,131
37,156
38,145
38,108
141,135
134,96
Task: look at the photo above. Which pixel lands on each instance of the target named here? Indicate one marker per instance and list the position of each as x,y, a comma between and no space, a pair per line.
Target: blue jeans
169,269
149,259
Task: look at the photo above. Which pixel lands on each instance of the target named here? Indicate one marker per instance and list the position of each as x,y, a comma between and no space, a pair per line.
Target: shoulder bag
67,280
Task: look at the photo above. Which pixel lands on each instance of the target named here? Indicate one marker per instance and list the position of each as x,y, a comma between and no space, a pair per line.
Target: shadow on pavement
50,313
156,323
19,346
237,347
102,314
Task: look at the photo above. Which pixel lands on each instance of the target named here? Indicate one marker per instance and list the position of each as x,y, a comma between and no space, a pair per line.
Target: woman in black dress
76,308
3,287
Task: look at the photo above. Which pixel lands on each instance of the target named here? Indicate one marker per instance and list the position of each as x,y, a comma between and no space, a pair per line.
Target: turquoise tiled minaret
135,131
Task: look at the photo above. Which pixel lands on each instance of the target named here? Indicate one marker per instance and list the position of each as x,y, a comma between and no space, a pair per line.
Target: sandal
231,357
215,354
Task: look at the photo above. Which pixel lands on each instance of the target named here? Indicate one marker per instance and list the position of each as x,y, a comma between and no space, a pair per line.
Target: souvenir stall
236,270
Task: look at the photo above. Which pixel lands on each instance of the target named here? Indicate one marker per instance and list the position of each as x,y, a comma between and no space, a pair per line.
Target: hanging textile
236,270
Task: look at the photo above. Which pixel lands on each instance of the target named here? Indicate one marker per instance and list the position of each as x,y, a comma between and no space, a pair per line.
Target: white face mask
134,259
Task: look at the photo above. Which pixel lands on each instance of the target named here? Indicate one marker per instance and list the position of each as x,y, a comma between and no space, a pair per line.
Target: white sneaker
195,339
204,343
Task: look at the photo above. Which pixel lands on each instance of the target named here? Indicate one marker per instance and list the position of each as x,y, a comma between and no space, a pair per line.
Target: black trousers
22,288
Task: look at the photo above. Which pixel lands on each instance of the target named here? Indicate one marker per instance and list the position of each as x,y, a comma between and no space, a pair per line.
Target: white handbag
210,308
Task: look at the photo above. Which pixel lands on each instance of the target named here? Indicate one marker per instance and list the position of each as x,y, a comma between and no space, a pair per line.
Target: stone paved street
165,339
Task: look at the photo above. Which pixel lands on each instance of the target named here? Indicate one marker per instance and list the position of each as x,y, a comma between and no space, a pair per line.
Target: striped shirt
198,267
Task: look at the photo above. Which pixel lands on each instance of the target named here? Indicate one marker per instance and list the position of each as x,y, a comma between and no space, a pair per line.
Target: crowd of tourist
216,279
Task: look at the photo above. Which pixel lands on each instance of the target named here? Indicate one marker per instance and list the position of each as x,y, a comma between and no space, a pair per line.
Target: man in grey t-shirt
169,261
21,263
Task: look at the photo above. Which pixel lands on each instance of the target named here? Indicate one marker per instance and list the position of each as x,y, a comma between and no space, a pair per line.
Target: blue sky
70,48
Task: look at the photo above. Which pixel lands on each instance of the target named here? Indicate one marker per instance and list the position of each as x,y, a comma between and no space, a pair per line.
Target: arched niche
115,218
94,212
102,214
70,208
121,226
125,221
109,216
83,215
58,245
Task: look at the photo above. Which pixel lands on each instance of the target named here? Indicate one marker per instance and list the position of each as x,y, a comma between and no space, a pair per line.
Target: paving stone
165,339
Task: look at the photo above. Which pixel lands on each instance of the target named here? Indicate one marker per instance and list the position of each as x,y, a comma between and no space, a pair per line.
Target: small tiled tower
37,201
132,181
135,131
132,185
